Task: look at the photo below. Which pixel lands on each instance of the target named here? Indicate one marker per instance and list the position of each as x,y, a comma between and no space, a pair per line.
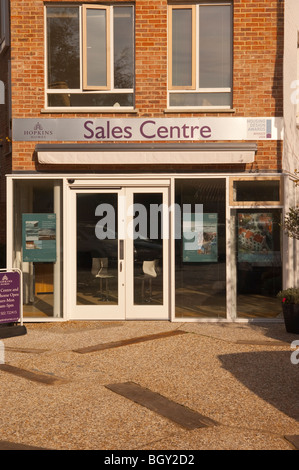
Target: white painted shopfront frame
125,308
152,179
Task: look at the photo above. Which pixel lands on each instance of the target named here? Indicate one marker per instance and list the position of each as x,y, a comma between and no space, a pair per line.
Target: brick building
146,140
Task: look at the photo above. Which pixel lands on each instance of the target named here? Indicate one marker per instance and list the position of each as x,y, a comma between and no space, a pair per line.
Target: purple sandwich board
11,303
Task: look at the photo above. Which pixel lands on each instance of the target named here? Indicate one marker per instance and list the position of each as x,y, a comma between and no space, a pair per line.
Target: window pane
200,99
97,258
40,299
63,47
200,249
181,47
259,267
96,44
123,47
266,190
90,99
148,249
215,46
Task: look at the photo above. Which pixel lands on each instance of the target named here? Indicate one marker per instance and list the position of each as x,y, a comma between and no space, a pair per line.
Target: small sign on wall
39,237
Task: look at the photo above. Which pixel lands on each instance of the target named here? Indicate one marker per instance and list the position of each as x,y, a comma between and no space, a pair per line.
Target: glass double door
120,253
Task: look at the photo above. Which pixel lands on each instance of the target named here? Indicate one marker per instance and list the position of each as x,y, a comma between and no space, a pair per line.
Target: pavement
150,386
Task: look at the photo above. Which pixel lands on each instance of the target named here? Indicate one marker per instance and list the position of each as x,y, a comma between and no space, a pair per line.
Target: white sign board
147,129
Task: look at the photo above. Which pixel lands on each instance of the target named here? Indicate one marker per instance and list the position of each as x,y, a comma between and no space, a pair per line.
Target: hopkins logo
39,132
5,281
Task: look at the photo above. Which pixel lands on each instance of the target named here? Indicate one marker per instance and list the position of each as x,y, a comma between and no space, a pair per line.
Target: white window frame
4,26
83,88
195,88
108,47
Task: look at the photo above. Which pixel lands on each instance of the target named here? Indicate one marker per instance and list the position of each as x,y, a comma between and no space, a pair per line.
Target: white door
119,260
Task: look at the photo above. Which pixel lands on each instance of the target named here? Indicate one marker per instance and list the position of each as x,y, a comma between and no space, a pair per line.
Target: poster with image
255,238
200,243
39,237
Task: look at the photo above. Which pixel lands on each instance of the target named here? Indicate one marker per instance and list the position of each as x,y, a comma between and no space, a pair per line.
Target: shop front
147,246
148,218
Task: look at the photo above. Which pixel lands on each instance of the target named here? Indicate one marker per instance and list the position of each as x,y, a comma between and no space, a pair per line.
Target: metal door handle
121,249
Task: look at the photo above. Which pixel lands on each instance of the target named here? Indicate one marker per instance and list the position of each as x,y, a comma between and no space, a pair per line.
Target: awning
155,154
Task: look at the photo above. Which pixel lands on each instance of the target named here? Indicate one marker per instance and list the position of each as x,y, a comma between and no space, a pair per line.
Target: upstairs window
4,24
200,55
90,56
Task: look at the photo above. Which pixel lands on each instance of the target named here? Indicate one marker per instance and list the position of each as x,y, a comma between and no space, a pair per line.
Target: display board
39,237
200,238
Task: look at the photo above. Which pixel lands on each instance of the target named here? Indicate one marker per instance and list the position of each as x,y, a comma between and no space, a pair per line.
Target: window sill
199,110
88,111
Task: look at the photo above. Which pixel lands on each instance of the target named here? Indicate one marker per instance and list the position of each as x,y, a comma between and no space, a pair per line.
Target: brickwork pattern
257,71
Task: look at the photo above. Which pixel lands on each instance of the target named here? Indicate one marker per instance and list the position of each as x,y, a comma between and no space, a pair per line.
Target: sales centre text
148,130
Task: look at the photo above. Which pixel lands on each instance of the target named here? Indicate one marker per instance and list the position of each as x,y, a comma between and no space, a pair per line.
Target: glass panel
63,47
97,249
123,47
215,46
200,99
266,190
96,44
148,249
90,99
200,250
40,299
259,267
181,47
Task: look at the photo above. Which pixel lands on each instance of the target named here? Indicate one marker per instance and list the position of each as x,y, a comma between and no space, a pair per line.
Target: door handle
120,267
121,249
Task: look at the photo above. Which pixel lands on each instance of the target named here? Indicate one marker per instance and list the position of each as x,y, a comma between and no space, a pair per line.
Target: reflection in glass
90,99
40,299
200,99
181,47
266,190
63,47
96,39
123,47
97,249
259,266
148,249
200,252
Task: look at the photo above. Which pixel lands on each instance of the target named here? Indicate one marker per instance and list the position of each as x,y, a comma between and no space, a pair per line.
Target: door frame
148,311
125,310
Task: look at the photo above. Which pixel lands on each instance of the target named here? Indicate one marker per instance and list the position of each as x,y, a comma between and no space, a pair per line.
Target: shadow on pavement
5,445
268,374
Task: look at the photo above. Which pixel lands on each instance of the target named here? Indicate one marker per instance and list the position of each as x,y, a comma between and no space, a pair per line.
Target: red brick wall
257,82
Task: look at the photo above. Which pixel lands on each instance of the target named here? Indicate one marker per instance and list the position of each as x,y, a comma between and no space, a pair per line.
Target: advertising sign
147,129
255,239
39,237
200,244
10,297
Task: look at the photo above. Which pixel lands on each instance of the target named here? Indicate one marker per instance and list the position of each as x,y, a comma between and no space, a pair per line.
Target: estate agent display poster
200,243
255,238
10,297
39,237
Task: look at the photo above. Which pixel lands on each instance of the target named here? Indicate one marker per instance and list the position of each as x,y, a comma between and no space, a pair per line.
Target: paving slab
239,376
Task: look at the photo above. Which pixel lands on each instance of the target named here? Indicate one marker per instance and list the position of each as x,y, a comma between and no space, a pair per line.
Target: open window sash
96,47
